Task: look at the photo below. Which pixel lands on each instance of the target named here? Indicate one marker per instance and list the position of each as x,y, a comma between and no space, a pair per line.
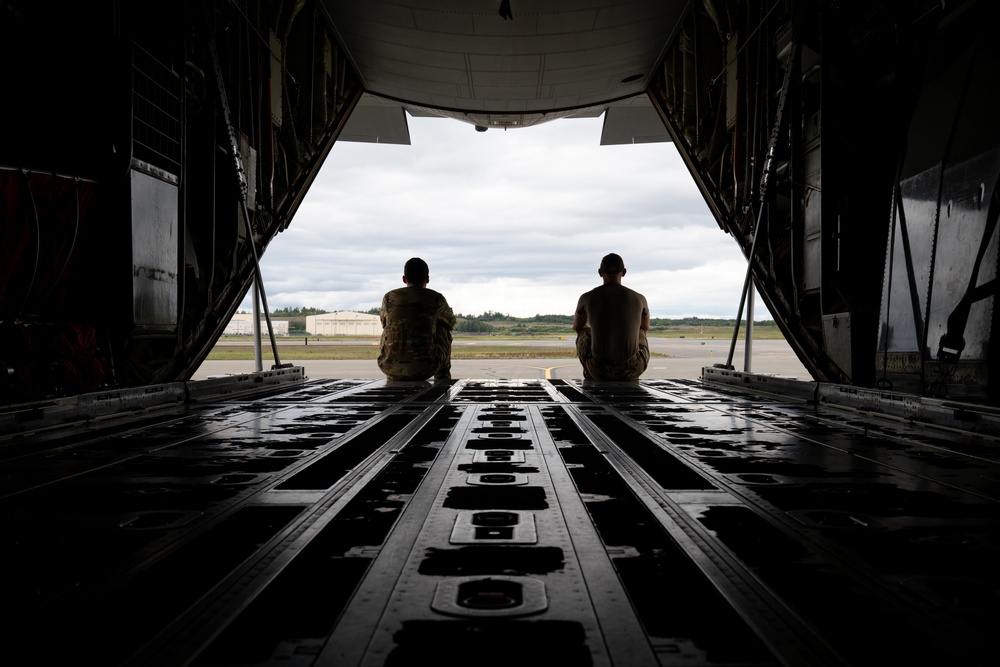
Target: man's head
415,272
612,266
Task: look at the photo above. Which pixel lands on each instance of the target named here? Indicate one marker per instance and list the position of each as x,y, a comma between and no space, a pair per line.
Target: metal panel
633,125
910,264
812,266
277,81
377,124
732,83
963,236
837,339
154,251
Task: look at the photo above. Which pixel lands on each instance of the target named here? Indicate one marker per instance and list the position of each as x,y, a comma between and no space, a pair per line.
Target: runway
687,357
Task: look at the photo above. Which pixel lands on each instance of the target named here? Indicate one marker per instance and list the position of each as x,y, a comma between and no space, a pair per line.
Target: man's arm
580,317
644,324
445,314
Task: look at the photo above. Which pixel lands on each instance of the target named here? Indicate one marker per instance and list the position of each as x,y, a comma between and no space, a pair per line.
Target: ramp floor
488,522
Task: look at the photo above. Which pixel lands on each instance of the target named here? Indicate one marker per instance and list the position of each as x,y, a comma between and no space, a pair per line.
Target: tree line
300,312
492,321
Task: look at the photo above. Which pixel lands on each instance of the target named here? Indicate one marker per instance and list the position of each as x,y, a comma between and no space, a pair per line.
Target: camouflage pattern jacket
416,334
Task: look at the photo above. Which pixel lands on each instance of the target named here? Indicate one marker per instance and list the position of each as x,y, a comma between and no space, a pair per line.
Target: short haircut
612,264
416,270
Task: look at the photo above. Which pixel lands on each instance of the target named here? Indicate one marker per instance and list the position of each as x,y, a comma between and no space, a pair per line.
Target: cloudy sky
514,222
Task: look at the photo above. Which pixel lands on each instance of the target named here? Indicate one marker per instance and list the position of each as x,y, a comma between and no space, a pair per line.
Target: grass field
223,352
237,348
726,333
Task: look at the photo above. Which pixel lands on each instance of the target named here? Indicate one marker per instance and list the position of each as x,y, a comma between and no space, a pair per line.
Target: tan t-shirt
614,313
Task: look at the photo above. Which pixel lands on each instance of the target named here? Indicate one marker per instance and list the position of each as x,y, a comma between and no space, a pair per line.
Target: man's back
410,316
615,315
611,323
416,322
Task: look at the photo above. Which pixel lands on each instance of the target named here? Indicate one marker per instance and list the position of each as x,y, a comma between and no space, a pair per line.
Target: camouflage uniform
416,335
604,369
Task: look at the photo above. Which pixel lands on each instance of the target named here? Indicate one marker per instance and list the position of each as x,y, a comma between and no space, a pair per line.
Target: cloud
513,221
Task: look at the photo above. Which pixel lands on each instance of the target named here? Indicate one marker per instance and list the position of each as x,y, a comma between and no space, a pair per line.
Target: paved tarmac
687,357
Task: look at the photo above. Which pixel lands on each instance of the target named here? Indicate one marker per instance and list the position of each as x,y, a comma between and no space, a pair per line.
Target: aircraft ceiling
463,59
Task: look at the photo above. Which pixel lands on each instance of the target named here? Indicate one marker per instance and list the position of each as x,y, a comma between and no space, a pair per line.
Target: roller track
357,522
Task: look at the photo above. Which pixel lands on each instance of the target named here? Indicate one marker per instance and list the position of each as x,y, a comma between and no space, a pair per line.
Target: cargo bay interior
849,149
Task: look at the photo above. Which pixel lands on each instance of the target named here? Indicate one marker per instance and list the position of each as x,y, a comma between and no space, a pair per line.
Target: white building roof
347,315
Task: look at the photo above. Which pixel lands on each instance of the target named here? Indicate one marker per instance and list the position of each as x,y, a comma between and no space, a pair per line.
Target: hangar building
344,323
242,324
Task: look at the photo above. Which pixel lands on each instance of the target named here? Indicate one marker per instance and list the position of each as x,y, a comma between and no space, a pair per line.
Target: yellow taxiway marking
548,371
